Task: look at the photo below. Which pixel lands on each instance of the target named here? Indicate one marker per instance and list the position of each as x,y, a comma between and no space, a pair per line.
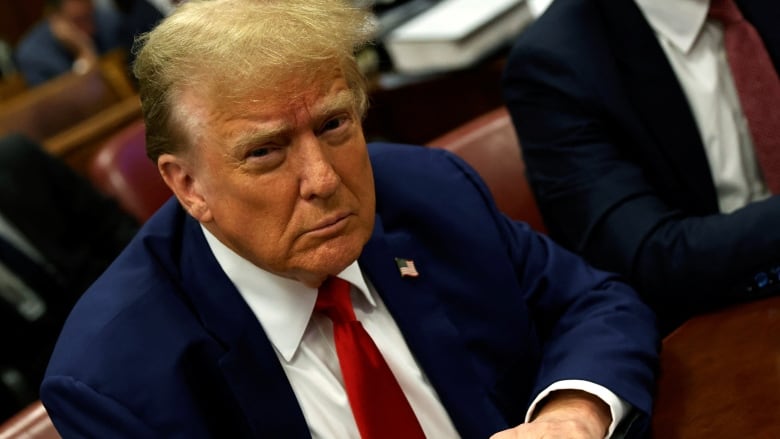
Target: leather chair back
121,169
490,145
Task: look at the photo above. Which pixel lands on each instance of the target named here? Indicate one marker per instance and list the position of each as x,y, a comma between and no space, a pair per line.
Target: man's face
284,180
81,13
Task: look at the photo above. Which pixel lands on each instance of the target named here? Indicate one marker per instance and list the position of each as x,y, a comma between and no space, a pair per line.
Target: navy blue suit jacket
617,165
164,346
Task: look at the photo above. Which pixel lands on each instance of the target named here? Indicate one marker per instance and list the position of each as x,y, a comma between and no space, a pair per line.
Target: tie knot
725,11
333,300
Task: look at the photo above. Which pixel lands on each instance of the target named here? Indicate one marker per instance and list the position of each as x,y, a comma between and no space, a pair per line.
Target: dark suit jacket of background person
78,231
138,16
164,346
617,164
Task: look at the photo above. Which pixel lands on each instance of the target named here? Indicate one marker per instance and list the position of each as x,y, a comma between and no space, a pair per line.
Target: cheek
355,167
365,185
262,236
360,182
267,210
256,208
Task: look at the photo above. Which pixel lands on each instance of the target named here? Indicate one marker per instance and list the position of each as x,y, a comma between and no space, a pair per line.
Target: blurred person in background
139,16
57,234
71,37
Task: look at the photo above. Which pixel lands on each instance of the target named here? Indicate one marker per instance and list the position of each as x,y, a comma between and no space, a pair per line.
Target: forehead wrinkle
333,98
257,136
247,129
261,134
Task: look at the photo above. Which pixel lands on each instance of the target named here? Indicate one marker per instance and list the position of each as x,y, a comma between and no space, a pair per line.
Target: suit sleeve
592,326
596,200
78,411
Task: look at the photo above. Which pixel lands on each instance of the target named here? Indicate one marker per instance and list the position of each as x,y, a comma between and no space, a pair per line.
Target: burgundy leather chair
490,145
121,169
31,423
48,109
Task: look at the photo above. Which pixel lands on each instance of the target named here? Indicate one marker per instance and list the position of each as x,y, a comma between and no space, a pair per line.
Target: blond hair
227,48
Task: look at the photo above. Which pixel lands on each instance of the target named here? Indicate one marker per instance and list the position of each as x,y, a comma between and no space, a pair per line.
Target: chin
333,257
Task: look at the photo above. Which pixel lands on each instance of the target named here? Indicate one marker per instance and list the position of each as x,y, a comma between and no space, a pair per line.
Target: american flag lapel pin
406,267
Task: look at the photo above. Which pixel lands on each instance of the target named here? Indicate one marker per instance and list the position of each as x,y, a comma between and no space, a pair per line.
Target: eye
265,154
333,124
264,158
259,152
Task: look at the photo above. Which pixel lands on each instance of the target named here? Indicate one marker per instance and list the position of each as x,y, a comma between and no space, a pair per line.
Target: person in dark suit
218,319
71,37
638,152
139,16
57,235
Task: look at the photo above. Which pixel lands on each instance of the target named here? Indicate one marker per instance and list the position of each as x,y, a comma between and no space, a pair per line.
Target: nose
318,178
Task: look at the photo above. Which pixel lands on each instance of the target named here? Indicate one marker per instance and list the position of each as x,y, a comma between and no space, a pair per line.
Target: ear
179,176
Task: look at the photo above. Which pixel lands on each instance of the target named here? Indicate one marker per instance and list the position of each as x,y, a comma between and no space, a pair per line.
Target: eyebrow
258,137
343,100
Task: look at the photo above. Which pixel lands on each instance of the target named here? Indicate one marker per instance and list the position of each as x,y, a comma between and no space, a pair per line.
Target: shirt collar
679,21
283,306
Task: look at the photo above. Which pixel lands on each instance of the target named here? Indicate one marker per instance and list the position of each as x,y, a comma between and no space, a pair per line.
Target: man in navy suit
638,152
206,325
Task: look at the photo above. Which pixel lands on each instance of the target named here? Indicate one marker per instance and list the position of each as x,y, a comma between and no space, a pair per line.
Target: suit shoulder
425,182
563,21
135,286
408,165
569,52
399,159
385,150
569,29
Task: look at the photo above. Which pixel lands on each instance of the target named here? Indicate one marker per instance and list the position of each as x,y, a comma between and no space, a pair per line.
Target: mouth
330,226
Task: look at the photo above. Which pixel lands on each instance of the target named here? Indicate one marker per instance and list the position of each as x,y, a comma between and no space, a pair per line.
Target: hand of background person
78,43
566,414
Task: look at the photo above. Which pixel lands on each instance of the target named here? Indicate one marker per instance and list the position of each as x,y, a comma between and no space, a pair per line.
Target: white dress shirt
304,346
538,7
694,46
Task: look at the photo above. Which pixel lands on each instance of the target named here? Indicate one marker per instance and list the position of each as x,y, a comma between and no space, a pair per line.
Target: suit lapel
431,336
249,365
658,99
256,378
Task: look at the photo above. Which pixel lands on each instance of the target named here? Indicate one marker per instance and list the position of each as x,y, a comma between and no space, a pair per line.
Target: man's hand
75,41
564,414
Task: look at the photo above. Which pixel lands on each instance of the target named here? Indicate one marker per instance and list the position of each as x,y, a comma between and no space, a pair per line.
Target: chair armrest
31,423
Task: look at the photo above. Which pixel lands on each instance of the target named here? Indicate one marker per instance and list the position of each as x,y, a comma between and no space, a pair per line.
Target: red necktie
378,403
757,84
